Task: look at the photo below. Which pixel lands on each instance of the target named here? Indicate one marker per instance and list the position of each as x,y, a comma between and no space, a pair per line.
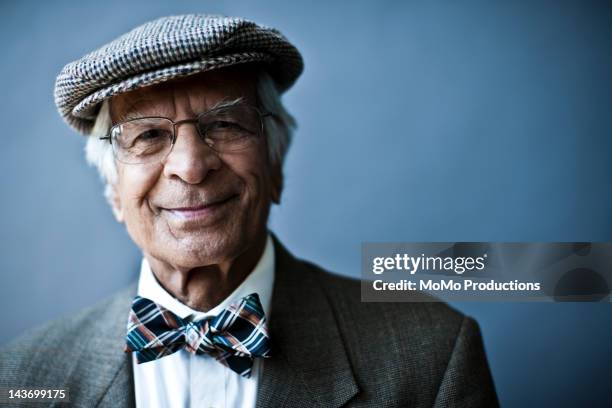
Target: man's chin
202,250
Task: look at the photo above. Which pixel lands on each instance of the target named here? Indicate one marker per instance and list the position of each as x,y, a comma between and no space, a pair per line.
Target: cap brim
83,115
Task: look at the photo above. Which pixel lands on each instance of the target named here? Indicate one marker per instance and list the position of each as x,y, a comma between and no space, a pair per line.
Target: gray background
419,121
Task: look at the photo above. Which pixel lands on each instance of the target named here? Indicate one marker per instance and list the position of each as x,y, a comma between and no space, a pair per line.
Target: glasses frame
195,121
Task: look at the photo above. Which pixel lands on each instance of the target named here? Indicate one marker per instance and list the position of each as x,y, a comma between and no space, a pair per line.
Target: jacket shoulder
42,354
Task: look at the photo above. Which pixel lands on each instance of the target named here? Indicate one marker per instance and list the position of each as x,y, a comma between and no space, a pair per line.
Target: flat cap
167,48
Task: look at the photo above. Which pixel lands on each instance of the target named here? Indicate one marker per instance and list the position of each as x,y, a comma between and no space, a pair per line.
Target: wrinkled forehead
195,93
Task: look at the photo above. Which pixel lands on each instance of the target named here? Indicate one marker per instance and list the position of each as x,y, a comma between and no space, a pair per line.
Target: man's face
197,207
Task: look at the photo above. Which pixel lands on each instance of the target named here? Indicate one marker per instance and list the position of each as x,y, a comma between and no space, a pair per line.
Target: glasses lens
142,140
230,128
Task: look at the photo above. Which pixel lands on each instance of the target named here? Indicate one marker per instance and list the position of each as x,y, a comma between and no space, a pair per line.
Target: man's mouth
202,210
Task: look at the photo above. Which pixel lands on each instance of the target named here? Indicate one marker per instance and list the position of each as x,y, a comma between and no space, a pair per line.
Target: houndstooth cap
166,48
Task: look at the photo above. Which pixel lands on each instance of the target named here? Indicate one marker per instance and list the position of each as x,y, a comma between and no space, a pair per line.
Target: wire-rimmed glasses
224,129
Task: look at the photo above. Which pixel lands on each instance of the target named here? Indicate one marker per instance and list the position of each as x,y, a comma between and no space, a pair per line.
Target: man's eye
223,125
153,134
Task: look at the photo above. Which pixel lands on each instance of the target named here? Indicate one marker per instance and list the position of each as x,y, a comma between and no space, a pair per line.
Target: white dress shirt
185,380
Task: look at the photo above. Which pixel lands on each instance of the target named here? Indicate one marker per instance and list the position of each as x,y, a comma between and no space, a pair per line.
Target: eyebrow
224,103
135,114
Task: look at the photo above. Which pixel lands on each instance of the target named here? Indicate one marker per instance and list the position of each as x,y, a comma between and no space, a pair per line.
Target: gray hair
279,129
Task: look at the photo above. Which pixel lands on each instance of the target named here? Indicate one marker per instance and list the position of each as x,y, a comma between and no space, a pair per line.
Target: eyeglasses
224,129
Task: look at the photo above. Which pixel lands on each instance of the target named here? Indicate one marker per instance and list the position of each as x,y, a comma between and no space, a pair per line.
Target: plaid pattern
234,337
166,48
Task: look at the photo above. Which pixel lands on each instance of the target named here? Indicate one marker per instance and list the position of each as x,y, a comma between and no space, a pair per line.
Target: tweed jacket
329,350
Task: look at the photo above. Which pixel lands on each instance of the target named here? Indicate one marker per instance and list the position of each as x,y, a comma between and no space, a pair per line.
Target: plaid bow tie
234,337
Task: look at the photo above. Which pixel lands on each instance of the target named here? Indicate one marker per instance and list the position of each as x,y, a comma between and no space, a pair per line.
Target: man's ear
115,202
277,183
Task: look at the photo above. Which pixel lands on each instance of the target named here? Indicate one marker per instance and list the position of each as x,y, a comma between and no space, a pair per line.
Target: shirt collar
259,281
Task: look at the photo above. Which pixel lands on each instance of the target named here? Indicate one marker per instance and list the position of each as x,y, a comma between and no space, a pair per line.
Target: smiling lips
200,210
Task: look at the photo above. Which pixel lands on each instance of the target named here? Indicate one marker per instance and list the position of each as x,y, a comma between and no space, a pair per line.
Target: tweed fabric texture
167,48
233,337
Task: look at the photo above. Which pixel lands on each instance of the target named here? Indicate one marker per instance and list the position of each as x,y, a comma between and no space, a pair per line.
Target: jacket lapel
103,374
120,392
309,366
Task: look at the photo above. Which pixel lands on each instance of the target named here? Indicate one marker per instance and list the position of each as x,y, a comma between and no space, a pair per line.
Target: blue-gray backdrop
418,121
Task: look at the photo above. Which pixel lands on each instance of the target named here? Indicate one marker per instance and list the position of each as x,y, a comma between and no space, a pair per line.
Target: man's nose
191,159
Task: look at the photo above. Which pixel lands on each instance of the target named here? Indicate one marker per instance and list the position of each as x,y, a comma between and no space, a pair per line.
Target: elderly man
188,131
